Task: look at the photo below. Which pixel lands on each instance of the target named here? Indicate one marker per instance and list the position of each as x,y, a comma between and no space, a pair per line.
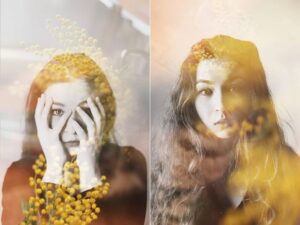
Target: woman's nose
218,101
69,127
74,116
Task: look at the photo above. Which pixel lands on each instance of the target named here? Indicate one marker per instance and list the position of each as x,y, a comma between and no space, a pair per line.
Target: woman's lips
224,123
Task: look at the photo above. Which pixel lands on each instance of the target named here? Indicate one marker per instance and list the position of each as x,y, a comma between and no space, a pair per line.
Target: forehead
215,70
69,92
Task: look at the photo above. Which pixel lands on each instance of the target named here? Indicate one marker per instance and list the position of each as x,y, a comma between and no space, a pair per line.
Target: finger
95,112
79,130
88,122
39,106
102,112
62,122
100,106
45,112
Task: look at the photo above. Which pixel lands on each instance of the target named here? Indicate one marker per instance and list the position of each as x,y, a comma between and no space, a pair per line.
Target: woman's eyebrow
204,81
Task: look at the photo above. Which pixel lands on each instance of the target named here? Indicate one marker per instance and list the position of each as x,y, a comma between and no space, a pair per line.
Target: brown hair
182,144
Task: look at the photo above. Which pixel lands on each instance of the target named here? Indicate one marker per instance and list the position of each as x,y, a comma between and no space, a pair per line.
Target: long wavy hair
184,141
66,68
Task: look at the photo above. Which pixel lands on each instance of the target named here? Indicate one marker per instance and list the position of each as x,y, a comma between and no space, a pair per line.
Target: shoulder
17,175
19,171
127,151
16,190
127,157
125,168
132,157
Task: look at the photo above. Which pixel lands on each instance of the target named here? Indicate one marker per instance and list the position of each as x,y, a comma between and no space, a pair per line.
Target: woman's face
66,97
221,99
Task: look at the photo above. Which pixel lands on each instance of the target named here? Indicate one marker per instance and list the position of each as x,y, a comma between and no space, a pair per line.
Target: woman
70,114
226,152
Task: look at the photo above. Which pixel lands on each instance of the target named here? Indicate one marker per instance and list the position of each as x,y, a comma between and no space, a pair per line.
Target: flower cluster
61,204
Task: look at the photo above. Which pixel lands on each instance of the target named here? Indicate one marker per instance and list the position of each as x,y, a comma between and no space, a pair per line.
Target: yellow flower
97,210
62,204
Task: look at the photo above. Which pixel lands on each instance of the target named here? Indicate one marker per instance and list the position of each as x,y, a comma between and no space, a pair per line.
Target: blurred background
121,29
273,25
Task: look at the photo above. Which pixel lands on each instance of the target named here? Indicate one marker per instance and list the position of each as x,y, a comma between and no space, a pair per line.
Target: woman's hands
50,140
90,142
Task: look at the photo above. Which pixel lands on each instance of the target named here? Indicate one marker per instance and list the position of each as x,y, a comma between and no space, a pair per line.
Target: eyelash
57,112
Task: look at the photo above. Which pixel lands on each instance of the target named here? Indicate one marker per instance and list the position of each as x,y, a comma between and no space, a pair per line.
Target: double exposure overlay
149,112
228,161
70,113
68,116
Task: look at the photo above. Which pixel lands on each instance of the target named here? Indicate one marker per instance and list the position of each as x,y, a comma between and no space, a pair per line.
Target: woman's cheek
240,110
203,107
53,121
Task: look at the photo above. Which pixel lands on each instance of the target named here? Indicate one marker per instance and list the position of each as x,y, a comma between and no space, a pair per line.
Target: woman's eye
206,92
57,112
87,111
234,90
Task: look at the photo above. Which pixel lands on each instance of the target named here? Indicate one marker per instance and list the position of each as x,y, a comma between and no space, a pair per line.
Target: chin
224,134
